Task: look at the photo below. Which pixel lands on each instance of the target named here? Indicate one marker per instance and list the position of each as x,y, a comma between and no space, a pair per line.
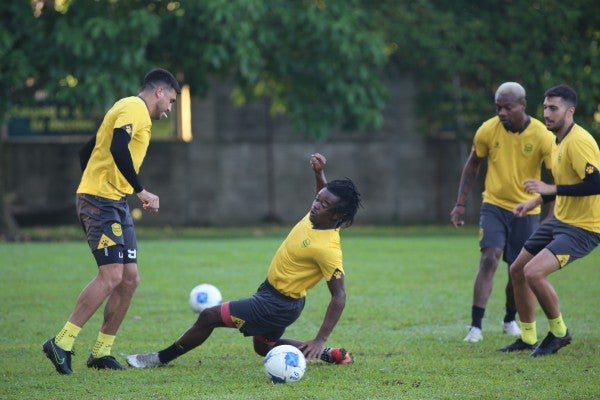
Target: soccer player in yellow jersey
110,162
311,252
572,233
515,146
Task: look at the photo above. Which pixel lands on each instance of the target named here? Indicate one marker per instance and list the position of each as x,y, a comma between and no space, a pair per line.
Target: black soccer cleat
106,362
551,344
518,345
59,357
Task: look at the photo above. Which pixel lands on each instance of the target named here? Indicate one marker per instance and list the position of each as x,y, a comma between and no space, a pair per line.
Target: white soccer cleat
511,328
474,335
144,360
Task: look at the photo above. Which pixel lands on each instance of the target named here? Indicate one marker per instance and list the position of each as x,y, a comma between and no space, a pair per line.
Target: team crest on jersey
527,149
105,242
116,229
589,169
563,259
305,243
128,128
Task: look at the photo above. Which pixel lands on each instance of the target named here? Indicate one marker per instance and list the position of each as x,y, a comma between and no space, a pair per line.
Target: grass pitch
409,297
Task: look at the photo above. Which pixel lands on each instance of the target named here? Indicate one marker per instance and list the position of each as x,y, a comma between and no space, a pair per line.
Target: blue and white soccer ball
285,363
204,296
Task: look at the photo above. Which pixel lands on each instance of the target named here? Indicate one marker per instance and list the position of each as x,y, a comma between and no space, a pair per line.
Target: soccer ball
285,363
204,296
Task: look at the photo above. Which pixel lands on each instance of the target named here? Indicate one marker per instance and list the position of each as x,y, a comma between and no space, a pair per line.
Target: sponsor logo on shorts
116,229
563,259
105,242
237,322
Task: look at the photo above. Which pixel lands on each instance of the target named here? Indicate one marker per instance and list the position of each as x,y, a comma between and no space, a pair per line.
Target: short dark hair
349,202
565,92
158,76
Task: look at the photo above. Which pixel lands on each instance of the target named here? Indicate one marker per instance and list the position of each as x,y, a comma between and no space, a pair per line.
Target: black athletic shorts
500,228
566,242
267,313
109,229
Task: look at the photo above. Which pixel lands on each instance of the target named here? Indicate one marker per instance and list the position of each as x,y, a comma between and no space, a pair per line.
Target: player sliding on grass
311,251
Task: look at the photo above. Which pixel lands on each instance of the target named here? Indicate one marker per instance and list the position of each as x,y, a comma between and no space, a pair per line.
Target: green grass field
409,297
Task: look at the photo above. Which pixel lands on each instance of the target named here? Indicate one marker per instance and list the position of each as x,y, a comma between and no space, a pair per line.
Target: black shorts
266,313
566,242
109,229
500,228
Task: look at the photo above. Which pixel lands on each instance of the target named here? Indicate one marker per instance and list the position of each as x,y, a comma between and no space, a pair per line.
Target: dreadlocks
349,200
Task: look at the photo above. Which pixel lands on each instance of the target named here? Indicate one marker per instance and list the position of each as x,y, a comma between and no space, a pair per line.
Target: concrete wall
244,168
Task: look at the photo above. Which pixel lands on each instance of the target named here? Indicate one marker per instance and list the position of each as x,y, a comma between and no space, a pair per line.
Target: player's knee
532,274
489,262
262,345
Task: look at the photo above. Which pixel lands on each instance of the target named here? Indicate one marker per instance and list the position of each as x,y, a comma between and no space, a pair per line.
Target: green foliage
461,51
409,295
313,60
321,62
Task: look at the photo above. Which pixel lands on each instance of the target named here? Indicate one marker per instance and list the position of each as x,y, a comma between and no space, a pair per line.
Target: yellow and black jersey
512,158
576,156
305,257
101,176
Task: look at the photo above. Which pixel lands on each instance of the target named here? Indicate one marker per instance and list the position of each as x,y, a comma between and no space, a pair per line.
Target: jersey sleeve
129,118
480,143
330,261
583,155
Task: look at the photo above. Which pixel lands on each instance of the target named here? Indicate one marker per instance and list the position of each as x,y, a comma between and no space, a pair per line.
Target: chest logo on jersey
116,229
305,243
527,149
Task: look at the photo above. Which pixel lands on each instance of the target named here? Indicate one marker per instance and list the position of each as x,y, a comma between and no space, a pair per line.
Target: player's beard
556,126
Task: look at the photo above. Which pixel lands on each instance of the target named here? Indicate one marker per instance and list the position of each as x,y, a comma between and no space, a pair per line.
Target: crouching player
311,251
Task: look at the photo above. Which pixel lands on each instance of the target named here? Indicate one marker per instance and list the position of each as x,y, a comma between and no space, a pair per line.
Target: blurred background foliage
323,63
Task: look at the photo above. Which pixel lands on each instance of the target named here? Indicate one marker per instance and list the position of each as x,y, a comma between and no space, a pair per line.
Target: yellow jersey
576,152
304,257
511,159
101,176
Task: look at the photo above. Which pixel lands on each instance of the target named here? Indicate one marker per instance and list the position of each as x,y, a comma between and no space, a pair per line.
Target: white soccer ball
204,296
285,363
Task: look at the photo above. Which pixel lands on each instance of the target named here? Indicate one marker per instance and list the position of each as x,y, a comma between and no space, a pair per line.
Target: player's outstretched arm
313,348
317,162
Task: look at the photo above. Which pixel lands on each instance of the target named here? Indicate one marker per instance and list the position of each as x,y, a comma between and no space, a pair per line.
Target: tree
460,51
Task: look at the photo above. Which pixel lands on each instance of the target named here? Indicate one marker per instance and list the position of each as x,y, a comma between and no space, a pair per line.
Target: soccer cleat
551,344
474,335
336,355
518,345
511,328
148,360
106,362
59,357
